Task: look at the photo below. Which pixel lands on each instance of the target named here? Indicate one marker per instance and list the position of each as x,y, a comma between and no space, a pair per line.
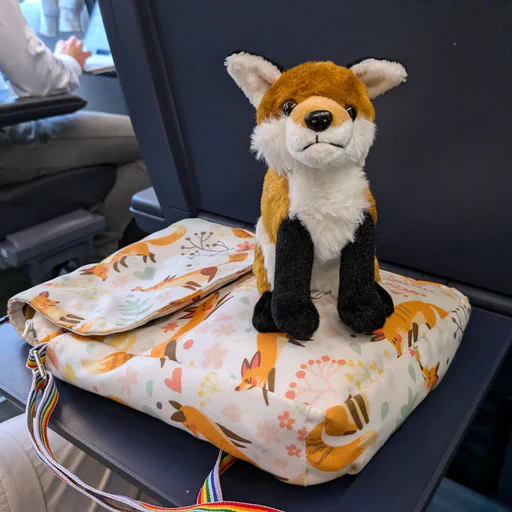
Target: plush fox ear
253,74
379,76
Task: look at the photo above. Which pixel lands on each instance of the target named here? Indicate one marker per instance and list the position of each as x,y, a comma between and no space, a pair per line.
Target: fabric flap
144,281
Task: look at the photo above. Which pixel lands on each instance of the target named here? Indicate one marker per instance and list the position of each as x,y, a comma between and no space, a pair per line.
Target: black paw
386,298
262,315
365,314
299,321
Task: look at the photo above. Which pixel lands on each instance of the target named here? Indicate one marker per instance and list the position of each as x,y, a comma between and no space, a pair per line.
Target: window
52,24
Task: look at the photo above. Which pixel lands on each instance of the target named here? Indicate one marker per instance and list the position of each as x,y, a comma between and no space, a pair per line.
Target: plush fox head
314,116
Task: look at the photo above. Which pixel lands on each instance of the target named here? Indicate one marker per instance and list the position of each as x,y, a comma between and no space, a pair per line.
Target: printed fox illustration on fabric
52,335
192,280
195,315
198,423
429,374
107,364
141,249
167,349
85,338
261,370
341,420
406,320
49,307
122,341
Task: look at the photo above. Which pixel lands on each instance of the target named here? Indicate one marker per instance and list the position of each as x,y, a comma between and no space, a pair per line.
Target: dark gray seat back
441,166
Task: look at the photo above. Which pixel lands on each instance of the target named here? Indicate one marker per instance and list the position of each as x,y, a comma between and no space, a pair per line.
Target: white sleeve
28,64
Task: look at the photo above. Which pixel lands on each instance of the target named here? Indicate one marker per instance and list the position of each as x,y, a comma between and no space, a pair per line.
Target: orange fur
373,214
339,114
316,79
275,203
260,272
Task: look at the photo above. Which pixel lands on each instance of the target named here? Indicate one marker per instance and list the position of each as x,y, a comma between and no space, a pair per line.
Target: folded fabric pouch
164,326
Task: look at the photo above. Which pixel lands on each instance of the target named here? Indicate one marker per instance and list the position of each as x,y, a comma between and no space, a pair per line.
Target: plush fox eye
351,112
288,106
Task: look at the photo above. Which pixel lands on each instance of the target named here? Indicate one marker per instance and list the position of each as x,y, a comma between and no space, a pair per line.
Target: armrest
29,109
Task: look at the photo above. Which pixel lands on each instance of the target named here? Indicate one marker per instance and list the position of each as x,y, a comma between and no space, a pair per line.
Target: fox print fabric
164,326
146,280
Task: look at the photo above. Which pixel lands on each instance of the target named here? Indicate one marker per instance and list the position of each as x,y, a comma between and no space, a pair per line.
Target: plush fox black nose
318,120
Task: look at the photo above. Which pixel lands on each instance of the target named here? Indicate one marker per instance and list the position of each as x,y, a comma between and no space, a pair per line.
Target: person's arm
28,64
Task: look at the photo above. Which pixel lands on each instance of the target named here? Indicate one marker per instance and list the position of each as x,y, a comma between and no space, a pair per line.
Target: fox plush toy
316,234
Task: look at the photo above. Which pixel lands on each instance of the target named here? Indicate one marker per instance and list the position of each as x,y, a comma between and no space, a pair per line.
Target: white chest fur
331,204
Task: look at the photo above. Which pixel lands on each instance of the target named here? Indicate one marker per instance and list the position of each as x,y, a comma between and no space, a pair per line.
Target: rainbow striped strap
38,415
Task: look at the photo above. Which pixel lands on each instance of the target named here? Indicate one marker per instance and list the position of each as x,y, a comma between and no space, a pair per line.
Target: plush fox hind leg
315,126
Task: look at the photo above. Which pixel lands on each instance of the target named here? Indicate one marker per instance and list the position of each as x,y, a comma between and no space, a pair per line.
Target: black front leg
292,309
262,314
362,303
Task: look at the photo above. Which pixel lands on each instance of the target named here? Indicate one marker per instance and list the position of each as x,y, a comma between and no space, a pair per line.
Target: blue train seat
44,226
439,173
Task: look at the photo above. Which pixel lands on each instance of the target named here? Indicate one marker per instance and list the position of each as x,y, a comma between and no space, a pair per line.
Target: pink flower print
52,356
224,330
293,451
246,246
76,305
315,380
268,432
280,464
285,421
121,281
213,356
203,328
170,294
233,413
222,317
169,327
302,433
128,380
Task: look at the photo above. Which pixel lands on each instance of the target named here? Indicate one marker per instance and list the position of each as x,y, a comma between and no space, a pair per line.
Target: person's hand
73,48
